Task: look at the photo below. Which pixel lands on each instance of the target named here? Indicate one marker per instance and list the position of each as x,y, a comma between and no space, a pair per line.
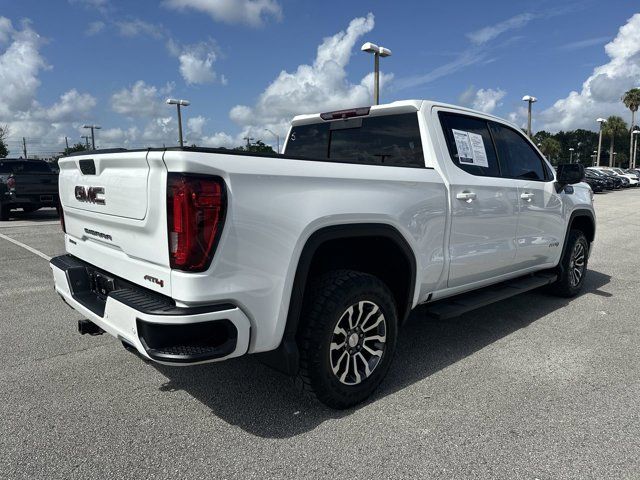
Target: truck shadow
265,403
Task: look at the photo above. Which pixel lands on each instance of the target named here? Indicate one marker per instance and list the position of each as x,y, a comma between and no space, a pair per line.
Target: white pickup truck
314,258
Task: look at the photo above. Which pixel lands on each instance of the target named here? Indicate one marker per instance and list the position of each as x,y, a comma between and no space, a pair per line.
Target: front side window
470,144
517,155
392,140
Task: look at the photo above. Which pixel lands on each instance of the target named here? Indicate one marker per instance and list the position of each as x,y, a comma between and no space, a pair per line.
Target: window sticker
470,148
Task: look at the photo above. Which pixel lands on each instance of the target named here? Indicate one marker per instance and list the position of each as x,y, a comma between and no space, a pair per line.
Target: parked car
26,184
632,177
315,257
596,182
618,182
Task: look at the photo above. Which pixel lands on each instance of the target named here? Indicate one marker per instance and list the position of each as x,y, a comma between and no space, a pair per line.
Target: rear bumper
151,323
17,200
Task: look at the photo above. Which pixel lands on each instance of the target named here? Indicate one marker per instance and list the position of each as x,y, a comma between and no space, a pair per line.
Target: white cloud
250,12
141,100
490,32
196,61
20,64
485,100
601,91
94,28
137,27
101,6
589,42
322,86
72,106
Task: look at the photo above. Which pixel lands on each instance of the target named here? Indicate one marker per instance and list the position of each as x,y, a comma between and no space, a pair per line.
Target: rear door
484,205
541,226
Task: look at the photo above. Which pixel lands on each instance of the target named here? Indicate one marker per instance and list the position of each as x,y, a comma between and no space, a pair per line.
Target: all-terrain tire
325,313
573,266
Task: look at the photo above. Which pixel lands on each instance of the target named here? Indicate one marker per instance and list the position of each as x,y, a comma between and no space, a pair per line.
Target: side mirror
570,173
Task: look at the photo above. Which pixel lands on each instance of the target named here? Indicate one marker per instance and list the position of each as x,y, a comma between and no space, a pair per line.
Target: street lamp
571,155
377,53
277,139
178,104
93,137
635,134
529,99
600,121
593,158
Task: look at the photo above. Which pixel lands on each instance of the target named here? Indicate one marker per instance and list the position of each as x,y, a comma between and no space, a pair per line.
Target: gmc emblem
90,194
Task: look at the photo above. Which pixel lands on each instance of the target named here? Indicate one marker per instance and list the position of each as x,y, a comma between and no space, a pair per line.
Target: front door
541,227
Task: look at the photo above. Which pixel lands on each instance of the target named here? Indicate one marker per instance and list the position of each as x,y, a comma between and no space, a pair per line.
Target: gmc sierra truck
26,184
315,257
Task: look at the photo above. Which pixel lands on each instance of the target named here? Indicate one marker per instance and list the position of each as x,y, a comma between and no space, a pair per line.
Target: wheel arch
580,219
285,357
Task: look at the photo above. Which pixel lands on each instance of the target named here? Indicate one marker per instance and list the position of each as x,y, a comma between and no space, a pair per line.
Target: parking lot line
26,247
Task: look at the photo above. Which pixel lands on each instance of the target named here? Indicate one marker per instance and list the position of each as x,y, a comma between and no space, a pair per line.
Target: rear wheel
347,338
573,266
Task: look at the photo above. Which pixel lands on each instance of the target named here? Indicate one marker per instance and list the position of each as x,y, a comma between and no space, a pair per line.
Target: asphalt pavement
531,387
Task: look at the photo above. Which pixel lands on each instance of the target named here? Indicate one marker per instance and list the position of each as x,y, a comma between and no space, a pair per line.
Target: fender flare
581,212
285,357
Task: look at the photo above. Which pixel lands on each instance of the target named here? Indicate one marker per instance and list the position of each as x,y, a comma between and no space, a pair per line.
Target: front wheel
347,337
573,266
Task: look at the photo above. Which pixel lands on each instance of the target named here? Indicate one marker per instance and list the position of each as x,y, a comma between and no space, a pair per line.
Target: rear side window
392,140
521,160
470,144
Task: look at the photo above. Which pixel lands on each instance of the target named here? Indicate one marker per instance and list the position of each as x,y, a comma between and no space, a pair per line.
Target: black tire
325,310
4,213
576,253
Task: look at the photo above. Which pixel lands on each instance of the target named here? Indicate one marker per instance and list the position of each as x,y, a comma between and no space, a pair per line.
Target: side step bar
466,302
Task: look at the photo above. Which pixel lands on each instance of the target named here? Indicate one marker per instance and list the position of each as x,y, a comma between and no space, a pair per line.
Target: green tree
4,133
78,147
551,148
631,100
614,127
258,147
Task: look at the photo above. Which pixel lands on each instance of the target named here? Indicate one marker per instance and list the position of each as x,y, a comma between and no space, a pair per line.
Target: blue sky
112,62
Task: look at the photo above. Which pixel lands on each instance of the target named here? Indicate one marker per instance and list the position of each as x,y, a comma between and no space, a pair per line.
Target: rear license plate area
46,198
101,284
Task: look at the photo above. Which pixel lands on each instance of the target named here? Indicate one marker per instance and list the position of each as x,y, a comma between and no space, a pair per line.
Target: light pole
530,100
571,155
600,121
593,158
635,147
86,139
277,139
614,159
93,137
178,104
377,53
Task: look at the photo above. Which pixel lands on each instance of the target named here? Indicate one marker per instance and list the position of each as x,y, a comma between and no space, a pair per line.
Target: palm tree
631,100
614,126
550,147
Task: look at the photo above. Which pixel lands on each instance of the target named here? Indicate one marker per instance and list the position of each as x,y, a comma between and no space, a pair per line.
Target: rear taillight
196,206
11,183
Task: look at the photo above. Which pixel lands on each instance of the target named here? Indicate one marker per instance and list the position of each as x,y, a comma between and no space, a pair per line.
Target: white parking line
26,247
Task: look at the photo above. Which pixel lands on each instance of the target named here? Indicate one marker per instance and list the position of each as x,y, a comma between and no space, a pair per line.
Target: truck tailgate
108,221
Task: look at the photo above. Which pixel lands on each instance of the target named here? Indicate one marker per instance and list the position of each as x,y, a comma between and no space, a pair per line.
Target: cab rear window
392,140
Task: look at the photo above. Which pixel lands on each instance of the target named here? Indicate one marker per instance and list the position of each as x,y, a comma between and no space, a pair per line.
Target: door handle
466,196
528,196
